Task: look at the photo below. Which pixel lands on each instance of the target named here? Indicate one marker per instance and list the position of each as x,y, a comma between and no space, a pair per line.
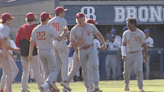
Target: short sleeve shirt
43,36
85,33
133,40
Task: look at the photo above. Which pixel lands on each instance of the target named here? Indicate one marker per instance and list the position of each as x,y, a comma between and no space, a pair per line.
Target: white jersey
115,46
149,42
13,45
118,38
97,44
58,23
5,31
85,33
43,36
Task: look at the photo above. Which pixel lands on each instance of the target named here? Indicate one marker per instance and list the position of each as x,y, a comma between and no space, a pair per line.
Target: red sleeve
17,39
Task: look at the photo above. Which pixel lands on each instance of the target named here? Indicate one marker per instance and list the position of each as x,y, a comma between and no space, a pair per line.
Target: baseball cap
30,15
110,36
91,21
6,16
50,16
147,31
44,15
113,31
124,28
59,9
80,15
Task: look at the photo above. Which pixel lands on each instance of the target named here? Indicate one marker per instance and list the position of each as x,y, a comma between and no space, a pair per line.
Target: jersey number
41,35
56,26
89,32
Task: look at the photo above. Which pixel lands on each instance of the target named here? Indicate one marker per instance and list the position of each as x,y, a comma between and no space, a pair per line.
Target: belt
87,47
133,52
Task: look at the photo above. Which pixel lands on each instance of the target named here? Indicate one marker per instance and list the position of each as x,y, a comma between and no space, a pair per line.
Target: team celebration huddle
47,43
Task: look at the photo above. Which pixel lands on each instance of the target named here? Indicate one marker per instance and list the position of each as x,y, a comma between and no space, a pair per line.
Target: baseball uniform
133,41
111,60
3,77
8,66
43,35
87,53
22,41
60,48
150,43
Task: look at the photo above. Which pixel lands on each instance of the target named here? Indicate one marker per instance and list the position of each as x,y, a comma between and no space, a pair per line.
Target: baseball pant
50,69
133,72
75,67
118,66
87,57
110,64
147,66
10,70
61,55
26,69
136,59
69,64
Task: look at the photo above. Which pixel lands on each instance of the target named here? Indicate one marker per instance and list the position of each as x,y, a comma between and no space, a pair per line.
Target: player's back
58,23
43,36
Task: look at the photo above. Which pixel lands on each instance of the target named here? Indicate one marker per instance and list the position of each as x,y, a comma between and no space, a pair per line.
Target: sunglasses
9,19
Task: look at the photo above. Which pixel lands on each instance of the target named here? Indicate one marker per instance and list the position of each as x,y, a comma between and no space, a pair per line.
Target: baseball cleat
141,90
54,87
45,88
126,89
97,90
65,85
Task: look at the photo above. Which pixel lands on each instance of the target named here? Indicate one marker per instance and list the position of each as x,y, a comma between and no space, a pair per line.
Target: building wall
20,11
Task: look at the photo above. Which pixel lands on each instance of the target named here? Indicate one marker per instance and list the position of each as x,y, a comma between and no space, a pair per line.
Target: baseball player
22,41
7,63
82,36
149,44
13,47
118,62
133,72
60,48
132,40
111,60
43,35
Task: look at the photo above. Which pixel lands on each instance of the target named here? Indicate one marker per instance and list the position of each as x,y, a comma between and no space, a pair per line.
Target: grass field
106,86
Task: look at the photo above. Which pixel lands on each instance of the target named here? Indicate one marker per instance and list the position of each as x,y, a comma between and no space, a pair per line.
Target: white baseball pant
110,64
26,69
87,57
49,64
70,59
136,59
61,55
10,70
3,80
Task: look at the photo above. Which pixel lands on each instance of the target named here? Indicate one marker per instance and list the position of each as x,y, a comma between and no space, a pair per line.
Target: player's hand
123,58
103,47
65,29
81,41
144,58
30,57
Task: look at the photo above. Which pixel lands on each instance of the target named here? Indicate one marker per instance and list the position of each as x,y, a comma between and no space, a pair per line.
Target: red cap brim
12,17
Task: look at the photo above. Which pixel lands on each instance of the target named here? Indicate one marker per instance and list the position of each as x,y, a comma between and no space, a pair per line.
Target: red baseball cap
6,16
30,15
80,15
91,21
59,9
50,16
44,15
